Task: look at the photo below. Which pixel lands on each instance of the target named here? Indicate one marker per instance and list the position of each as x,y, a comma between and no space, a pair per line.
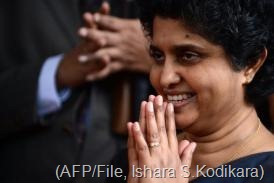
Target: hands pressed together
109,44
153,144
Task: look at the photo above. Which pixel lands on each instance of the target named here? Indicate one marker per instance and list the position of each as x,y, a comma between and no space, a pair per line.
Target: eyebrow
180,47
184,47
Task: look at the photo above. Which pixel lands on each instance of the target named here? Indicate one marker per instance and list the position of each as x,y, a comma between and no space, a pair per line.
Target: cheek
155,75
217,90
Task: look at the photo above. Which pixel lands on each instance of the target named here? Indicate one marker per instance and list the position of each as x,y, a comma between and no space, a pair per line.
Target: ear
250,71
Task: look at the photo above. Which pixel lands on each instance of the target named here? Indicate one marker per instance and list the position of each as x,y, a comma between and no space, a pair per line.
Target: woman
212,61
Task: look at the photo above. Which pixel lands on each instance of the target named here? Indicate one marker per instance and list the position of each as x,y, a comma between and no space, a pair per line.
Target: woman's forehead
167,31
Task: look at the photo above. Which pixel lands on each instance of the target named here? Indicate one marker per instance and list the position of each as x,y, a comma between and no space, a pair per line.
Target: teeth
178,97
185,96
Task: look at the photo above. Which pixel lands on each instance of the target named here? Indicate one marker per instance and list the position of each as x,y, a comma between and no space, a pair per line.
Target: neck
222,143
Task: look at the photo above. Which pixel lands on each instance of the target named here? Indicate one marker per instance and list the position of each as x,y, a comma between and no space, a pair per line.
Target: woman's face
193,74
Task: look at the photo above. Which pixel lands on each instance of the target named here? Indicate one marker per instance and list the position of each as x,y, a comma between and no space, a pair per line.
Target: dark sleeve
31,32
18,98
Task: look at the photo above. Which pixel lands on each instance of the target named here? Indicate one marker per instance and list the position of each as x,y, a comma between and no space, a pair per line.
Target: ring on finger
154,144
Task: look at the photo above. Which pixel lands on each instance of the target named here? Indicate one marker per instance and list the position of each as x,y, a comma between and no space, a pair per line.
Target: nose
169,75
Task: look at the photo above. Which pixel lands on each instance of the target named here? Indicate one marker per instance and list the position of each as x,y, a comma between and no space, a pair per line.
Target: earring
249,79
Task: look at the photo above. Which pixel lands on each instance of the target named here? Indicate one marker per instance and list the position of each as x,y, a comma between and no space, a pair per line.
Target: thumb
105,8
187,149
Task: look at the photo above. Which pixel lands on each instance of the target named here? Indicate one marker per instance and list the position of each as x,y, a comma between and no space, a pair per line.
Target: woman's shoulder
255,159
255,168
261,165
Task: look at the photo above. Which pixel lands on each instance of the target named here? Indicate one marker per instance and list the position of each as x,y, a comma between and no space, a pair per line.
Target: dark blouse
257,168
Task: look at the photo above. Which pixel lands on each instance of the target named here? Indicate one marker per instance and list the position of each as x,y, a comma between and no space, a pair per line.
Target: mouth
180,100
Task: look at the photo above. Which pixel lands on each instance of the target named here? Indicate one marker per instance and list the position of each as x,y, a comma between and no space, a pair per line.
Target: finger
182,145
106,71
83,32
116,66
160,118
99,75
111,23
92,59
165,106
186,157
113,52
151,98
152,129
105,8
132,153
141,145
131,146
95,36
105,38
171,128
89,20
91,64
142,117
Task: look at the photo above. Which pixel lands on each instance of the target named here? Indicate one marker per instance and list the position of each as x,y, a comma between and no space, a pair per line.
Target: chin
184,121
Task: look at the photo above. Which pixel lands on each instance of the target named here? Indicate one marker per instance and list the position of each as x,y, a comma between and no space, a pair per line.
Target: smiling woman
212,60
198,72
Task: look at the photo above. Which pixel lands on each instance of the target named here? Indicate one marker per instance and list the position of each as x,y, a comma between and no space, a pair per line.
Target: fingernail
151,98
159,100
83,58
170,107
88,16
83,32
150,107
96,17
129,124
143,103
136,126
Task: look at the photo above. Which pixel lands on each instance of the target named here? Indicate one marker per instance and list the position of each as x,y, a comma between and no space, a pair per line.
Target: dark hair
242,27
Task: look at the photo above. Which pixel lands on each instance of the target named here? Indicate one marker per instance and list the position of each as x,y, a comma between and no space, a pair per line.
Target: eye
189,57
157,55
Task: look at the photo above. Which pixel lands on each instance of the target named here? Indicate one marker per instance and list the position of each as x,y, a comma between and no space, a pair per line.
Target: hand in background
123,43
74,67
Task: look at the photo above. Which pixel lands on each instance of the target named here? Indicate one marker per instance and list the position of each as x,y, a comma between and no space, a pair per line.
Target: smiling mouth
181,100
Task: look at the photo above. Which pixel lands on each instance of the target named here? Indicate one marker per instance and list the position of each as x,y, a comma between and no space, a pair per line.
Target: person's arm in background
126,48
49,98
122,47
20,85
